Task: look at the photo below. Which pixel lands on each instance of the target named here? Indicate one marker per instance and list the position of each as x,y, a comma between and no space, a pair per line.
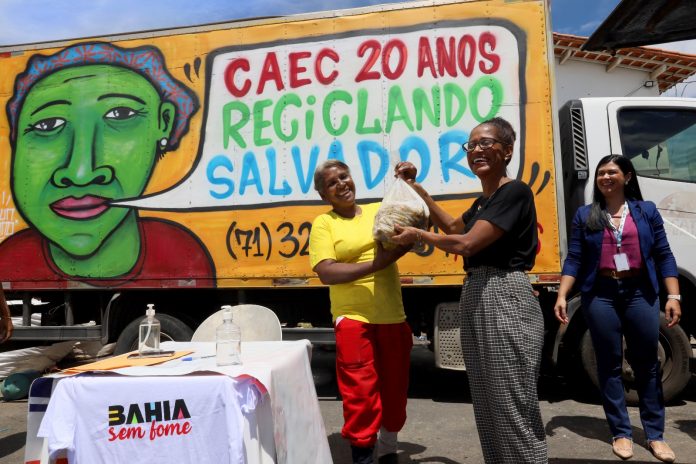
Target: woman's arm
666,265
661,251
438,216
571,267
560,309
672,307
332,272
481,235
6,326
576,247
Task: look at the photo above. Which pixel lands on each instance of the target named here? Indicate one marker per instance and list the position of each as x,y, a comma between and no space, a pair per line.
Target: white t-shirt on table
112,420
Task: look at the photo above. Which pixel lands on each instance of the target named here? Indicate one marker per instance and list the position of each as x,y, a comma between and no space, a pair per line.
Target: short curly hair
146,61
319,172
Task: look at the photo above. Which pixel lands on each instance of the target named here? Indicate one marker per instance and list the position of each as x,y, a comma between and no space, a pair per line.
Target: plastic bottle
228,337
149,333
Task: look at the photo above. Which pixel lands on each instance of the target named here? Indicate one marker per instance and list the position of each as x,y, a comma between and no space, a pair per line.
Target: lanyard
618,232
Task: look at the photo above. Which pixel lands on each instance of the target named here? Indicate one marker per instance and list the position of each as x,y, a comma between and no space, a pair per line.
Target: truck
175,167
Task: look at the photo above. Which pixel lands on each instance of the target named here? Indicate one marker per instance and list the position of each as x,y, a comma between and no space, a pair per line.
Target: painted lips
86,207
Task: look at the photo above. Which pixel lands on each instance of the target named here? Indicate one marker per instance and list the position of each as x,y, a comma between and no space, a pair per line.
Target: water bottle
228,339
149,333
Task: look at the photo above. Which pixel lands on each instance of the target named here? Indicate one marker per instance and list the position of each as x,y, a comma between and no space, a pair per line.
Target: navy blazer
585,247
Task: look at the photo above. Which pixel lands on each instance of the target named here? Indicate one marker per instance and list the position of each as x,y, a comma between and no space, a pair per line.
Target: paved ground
440,427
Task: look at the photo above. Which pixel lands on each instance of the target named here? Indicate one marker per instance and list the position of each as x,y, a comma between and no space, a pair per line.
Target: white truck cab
659,136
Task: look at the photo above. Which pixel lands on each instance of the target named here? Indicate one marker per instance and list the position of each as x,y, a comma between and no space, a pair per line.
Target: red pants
372,364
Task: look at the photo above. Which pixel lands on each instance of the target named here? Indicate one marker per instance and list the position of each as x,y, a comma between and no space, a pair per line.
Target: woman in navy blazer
618,248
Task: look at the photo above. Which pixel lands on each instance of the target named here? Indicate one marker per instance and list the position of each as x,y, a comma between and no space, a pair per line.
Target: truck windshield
660,142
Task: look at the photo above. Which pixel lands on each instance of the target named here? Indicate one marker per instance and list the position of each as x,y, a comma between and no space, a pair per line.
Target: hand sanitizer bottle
228,338
149,334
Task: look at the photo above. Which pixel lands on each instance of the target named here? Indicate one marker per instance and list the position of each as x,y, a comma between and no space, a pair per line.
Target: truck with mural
175,167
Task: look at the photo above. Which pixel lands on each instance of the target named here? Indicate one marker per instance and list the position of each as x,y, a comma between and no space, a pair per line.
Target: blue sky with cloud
579,17
26,21
29,21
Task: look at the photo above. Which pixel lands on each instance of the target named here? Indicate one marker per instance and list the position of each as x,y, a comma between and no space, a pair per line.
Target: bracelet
674,297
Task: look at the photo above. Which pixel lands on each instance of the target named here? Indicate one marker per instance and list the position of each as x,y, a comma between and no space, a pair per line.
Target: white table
286,427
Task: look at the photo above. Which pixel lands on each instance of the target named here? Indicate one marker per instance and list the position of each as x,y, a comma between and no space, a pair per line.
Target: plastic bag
403,206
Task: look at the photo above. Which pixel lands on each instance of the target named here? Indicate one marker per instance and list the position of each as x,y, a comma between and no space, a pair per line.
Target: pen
193,358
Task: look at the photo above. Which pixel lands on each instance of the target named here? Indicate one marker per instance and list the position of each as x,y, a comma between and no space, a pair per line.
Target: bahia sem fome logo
154,420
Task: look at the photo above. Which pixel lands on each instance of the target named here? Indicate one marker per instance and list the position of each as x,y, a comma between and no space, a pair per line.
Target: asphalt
440,428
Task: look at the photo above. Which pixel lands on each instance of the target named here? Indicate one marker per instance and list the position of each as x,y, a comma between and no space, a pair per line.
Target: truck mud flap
447,337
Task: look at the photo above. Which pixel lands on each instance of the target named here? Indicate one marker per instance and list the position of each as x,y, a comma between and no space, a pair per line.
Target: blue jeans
619,307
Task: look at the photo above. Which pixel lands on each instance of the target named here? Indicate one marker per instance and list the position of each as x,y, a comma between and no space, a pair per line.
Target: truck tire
172,329
673,352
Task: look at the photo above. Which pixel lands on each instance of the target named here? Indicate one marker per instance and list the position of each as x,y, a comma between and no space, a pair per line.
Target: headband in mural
146,61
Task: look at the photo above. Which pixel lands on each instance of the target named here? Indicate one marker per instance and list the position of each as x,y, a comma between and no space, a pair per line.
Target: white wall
576,79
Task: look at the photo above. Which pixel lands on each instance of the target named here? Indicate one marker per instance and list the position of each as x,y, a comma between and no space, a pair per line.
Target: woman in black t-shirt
502,324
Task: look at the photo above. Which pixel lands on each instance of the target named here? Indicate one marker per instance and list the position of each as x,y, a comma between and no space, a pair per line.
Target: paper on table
123,360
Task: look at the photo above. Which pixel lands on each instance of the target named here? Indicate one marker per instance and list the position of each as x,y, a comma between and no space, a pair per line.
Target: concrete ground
440,428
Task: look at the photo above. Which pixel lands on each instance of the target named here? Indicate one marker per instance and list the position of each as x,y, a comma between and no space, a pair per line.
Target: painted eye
122,112
48,124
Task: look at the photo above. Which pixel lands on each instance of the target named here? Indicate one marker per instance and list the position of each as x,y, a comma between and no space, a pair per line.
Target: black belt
618,275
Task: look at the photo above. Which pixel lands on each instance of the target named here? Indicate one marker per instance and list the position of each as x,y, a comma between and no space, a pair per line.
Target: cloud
27,21
589,27
687,88
683,46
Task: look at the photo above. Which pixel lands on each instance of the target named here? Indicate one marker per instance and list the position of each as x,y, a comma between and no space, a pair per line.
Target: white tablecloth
287,429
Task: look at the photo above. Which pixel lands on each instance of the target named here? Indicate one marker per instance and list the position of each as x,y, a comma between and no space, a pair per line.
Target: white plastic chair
257,323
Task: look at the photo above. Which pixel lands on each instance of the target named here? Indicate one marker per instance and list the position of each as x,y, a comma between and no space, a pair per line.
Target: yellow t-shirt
375,298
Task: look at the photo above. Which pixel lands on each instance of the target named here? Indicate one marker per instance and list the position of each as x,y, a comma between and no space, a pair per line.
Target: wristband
674,297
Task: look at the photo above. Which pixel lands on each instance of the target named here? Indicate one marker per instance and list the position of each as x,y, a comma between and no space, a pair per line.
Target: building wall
576,79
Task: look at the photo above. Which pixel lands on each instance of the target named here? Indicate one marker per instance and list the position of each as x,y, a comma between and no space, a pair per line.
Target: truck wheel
172,329
673,352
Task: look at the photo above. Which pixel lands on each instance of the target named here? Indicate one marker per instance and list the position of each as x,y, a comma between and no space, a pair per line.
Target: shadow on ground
12,443
341,452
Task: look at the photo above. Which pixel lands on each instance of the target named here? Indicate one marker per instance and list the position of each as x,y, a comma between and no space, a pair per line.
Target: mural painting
87,126
123,175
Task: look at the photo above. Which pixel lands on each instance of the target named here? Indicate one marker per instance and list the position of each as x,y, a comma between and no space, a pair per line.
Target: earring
163,142
626,183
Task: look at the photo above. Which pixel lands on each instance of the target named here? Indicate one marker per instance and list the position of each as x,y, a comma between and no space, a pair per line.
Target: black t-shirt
512,209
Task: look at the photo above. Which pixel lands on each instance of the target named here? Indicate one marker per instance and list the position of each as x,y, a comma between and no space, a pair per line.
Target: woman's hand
560,310
406,235
406,171
672,312
384,257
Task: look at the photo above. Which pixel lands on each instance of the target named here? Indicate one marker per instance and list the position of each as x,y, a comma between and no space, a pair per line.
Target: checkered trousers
502,337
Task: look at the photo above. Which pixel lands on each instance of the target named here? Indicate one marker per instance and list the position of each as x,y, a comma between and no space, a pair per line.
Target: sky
28,21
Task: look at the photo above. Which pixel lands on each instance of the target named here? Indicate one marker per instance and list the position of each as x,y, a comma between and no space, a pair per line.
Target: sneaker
386,442
361,455
390,458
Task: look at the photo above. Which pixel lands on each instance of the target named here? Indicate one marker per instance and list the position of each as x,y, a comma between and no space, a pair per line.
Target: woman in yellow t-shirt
373,339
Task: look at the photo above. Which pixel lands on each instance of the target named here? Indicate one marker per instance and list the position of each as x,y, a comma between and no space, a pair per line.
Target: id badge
621,261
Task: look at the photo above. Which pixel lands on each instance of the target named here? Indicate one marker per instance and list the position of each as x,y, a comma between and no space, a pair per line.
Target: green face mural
87,135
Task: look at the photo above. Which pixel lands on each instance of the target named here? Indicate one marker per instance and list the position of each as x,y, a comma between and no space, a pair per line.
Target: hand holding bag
403,206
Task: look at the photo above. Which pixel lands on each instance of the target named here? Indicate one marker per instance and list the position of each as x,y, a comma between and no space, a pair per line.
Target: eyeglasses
483,144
